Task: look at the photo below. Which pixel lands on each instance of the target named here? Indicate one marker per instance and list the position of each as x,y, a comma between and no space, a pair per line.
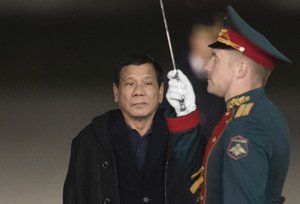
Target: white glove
180,90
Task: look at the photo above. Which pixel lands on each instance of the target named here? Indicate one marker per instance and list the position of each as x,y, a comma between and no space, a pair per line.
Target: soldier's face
220,72
138,94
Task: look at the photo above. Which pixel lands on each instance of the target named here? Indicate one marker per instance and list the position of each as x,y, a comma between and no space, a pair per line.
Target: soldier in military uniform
247,157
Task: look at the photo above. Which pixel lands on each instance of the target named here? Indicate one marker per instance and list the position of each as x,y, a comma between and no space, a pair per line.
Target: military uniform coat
246,159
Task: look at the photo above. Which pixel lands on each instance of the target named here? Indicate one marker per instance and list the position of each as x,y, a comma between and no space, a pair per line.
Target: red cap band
242,44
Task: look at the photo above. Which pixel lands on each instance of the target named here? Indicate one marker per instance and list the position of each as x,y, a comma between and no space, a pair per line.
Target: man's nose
207,65
139,90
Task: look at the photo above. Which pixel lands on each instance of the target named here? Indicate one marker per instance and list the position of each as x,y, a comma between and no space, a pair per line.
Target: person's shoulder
256,117
107,117
246,118
266,109
161,112
261,108
99,122
84,134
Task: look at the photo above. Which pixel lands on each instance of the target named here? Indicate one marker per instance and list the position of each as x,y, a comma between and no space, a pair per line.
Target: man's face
138,94
220,72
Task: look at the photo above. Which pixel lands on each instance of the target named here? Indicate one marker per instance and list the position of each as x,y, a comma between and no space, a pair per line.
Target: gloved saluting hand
180,90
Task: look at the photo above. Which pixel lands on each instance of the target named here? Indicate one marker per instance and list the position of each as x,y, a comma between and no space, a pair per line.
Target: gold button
214,140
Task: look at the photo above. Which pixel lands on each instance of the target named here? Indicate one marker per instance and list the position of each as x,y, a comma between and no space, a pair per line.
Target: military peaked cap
238,35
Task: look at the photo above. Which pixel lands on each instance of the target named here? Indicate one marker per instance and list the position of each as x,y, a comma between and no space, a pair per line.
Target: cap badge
224,37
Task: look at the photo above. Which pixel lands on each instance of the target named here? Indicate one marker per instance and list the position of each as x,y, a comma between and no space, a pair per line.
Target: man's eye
129,84
148,83
213,59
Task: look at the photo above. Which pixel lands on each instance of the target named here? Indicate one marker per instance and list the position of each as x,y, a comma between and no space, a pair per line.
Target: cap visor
219,45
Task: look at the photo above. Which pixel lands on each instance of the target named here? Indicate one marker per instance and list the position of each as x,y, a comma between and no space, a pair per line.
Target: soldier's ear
242,70
116,93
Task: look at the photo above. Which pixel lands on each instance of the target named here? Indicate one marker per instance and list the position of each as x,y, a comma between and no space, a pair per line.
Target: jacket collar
158,145
111,127
248,97
119,134
101,126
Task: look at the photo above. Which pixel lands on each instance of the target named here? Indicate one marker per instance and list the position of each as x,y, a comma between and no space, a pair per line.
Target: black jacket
93,176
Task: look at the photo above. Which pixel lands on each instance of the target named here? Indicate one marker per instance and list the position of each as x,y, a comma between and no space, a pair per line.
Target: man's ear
242,69
116,93
161,92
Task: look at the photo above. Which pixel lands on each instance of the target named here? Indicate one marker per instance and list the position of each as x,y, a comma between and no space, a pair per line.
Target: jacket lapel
112,134
157,147
122,147
101,128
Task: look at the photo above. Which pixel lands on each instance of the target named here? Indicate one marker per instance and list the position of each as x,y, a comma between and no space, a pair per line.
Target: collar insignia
237,101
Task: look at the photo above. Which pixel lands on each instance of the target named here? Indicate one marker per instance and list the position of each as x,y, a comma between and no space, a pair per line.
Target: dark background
57,59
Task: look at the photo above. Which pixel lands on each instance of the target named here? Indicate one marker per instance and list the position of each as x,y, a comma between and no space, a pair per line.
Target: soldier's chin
211,90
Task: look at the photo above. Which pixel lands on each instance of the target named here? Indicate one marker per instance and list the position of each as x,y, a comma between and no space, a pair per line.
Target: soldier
246,159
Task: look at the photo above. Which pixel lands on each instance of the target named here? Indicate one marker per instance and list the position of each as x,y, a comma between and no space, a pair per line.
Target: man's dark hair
139,59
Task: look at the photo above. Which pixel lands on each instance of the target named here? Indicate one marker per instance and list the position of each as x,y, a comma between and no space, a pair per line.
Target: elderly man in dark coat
127,156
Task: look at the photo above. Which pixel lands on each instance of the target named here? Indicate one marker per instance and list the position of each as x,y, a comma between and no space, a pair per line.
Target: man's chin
140,113
214,92
209,89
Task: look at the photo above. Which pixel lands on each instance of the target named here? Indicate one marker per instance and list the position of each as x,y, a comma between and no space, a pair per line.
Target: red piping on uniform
184,123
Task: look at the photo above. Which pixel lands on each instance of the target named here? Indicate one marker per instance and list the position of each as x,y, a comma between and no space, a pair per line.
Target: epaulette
244,110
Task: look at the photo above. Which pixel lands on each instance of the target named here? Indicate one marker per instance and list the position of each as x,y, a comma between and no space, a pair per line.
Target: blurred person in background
212,107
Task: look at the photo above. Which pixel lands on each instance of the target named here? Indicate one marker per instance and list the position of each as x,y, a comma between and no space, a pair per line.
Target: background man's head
138,86
199,53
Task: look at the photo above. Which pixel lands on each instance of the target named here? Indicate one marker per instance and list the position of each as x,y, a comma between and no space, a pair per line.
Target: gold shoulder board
244,110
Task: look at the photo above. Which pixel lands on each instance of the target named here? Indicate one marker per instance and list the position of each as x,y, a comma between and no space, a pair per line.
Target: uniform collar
248,97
